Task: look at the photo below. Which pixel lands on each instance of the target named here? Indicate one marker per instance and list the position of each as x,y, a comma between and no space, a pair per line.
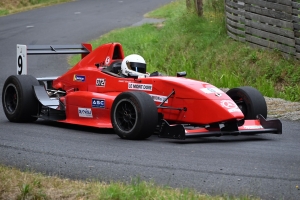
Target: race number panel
21,59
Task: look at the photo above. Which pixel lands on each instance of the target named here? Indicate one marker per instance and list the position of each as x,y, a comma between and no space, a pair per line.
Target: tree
198,6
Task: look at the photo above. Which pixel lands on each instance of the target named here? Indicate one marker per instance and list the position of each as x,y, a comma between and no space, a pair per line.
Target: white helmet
134,64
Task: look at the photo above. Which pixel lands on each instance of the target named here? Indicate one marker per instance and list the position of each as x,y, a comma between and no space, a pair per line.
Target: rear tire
18,98
250,101
134,115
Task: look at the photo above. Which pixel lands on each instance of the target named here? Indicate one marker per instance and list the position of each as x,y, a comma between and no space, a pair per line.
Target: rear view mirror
181,74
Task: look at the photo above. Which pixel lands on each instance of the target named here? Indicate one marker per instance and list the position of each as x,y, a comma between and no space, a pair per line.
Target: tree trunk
199,7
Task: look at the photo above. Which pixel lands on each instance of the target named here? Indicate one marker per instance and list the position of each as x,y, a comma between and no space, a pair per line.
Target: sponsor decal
253,127
211,90
138,86
85,112
107,60
218,94
230,105
234,110
158,98
98,103
80,78
100,82
124,81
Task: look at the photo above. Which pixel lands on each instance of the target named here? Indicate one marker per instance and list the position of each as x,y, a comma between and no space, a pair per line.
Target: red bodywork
201,103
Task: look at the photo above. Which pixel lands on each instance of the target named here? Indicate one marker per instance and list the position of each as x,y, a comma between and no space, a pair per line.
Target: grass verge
14,6
200,46
15,184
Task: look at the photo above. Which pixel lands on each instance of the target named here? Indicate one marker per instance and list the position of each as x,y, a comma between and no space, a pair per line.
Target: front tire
250,101
134,115
18,98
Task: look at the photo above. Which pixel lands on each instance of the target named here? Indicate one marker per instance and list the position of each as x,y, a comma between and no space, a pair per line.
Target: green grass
15,184
14,6
4,12
200,46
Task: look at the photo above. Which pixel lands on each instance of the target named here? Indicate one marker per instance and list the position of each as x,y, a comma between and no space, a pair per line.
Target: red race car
105,89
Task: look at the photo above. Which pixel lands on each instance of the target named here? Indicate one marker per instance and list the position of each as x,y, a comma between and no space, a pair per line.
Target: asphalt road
263,165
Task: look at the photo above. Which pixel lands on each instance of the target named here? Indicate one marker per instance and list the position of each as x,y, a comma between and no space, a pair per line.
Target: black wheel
134,115
18,98
249,100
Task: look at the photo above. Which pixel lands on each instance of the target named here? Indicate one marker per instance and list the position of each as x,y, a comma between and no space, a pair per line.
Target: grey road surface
263,165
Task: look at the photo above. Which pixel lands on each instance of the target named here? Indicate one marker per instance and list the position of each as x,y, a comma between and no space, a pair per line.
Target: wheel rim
11,98
125,115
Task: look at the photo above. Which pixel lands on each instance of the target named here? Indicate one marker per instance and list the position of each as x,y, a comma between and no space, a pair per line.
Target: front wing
250,127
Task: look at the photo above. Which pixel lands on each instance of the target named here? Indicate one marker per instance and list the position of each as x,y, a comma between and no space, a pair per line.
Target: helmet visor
137,67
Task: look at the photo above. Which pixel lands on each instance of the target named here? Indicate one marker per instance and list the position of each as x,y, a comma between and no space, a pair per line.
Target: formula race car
105,89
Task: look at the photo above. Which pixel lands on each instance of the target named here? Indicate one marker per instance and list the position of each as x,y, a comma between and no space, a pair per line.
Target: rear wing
24,50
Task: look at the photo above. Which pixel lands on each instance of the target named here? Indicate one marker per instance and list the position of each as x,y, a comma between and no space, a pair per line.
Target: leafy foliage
200,46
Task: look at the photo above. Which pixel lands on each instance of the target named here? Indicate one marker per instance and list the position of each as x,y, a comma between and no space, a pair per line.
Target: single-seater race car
107,90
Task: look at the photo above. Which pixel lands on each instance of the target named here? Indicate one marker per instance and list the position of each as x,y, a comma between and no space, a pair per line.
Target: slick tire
250,101
18,98
134,115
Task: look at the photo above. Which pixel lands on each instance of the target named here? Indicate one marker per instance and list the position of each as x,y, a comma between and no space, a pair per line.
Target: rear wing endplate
24,50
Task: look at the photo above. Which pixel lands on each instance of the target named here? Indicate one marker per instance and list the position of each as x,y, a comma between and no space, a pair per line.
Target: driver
134,64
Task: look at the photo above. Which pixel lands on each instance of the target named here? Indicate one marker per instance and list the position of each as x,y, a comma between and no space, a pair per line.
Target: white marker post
21,59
